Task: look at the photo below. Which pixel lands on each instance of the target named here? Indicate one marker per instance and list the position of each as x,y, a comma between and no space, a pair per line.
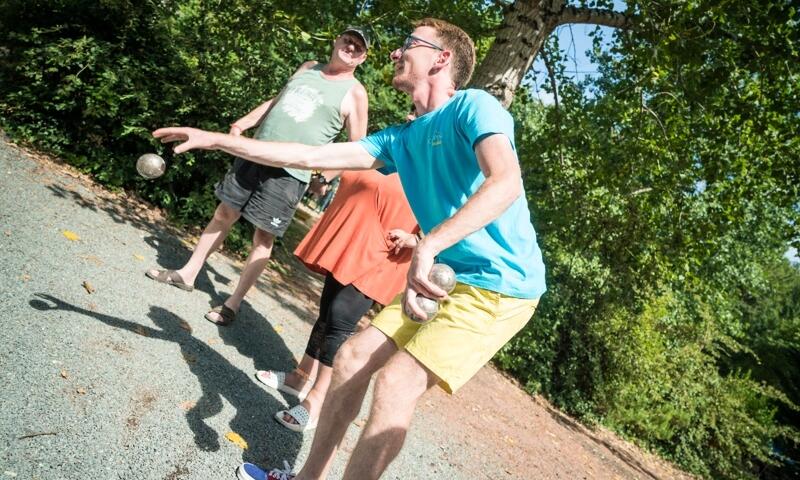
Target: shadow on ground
584,431
172,255
286,279
217,377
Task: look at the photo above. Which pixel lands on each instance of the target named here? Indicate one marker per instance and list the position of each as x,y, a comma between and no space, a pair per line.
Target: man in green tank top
318,101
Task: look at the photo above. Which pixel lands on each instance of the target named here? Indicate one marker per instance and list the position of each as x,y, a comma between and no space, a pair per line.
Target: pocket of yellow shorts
471,307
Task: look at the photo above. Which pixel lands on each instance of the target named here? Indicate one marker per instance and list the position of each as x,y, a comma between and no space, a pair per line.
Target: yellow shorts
466,333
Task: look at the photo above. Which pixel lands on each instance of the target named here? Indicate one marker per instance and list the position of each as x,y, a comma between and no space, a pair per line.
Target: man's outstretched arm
333,156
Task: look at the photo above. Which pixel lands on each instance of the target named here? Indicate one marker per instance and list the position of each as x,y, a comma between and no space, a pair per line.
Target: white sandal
277,380
301,415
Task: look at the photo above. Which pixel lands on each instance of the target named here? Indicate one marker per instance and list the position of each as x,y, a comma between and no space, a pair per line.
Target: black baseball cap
360,32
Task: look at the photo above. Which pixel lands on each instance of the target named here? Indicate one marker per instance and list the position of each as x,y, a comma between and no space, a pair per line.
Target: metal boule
443,276
151,166
429,306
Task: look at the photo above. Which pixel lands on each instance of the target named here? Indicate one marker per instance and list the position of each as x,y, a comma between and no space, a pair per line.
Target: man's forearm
274,154
484,206
252,118
333,156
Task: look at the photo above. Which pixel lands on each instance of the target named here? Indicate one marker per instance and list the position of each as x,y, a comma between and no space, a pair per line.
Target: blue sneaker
248,471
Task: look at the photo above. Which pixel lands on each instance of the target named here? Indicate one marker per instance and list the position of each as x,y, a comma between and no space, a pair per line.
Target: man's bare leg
355,363
397,389
210,240
255,264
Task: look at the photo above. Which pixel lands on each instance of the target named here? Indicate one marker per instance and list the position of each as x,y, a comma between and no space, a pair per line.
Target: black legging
340,309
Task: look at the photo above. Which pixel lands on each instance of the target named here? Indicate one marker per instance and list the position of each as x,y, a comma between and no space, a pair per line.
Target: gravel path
107,374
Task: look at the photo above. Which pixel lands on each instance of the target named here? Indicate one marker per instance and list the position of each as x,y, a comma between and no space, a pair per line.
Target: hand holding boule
443,277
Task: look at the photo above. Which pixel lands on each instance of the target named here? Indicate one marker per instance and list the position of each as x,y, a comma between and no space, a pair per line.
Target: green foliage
89,80
664,202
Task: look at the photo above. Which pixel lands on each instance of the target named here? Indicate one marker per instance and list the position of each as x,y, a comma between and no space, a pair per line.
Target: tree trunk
526,25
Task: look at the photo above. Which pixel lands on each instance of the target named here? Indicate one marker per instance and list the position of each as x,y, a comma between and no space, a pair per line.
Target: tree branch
554,86
595,16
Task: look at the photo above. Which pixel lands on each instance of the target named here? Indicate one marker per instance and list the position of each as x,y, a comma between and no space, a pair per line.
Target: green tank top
307,111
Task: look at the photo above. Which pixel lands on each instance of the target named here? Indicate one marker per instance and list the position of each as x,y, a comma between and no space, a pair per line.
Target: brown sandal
170,277
226,315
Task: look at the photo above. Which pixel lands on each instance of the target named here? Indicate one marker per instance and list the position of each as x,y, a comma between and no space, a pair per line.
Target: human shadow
136,214
268,443
172,254
298,284
295,282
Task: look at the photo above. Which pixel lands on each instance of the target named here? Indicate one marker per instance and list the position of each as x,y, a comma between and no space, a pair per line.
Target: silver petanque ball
150,166
429,306
443,276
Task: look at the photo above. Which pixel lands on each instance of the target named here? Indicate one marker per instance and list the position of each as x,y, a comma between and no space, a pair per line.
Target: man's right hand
192,138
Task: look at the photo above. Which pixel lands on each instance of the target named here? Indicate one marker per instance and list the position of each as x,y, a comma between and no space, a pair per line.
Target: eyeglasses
412,41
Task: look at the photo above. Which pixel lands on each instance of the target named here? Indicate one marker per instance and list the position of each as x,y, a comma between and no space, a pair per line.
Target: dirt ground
492,414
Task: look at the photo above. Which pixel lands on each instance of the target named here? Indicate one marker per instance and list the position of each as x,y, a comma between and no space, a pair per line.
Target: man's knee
403,376
349,359
363,354
226,214
262,239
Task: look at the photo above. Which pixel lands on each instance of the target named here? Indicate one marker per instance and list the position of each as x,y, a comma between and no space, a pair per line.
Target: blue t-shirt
435,157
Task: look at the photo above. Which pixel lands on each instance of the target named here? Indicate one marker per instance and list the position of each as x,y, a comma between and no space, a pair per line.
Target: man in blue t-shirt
459,169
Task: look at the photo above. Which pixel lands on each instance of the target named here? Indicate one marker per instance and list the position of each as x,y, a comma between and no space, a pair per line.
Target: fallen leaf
141,331
138,257
360,422
187,405
91,306
237,440
64,374
8,233
212,341
189,357
278,328
88,286
25,277
80,391
71,236
186,326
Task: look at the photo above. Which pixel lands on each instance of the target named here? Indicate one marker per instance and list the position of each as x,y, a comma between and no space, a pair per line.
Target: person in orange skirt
363,245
